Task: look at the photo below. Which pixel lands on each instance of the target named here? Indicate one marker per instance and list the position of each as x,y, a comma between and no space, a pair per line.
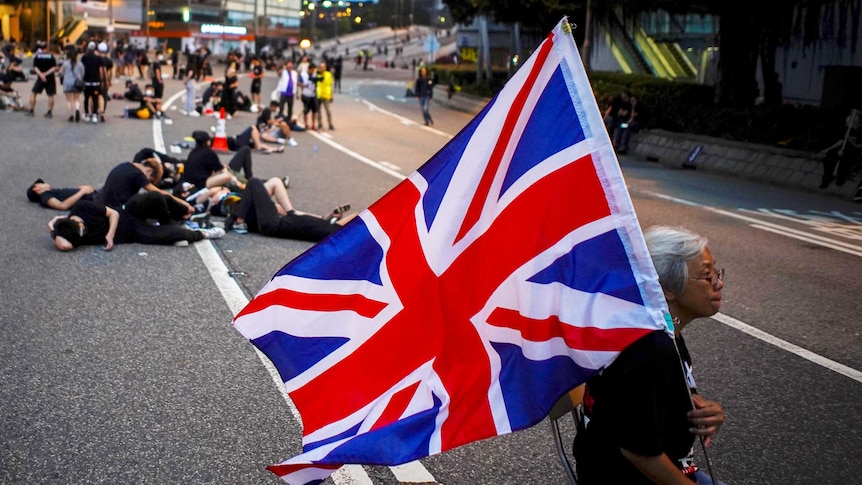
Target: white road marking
794,349
772,227
760,334
411,473
236,301
405,121
361,158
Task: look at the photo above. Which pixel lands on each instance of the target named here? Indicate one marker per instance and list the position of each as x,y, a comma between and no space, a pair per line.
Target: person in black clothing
158,82
128,178
256,82
231,83
203,169
58,199
94,80
423,88
44,65
93,223
257,212
175,63
643,412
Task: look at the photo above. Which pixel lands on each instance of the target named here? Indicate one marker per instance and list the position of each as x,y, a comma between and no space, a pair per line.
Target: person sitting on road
257,212
251,137
272,126
133,92
640,420
204,170
93,223
172,168
58,199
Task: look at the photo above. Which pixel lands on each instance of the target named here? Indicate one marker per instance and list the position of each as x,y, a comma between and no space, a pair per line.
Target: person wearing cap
44,65
94,80
62,199
203,168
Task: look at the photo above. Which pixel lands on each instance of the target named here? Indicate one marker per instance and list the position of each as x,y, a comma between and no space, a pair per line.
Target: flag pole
673,323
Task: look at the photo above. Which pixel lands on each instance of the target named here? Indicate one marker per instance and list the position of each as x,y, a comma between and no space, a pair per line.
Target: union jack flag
507,270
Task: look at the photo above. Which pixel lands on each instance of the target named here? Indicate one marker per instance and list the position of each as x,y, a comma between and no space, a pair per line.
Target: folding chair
569,404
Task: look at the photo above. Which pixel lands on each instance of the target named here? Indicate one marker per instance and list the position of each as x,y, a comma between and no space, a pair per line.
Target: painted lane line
357,156
405,121
825,223
785,345
236,301
776,228
411,473
807,239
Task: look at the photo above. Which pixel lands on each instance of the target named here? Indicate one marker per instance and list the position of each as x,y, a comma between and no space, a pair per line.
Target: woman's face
700,298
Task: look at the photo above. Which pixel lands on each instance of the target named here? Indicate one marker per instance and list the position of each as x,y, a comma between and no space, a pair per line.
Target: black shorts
49,86
255,86
309,105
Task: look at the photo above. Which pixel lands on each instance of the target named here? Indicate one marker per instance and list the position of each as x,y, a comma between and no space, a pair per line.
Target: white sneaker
94,118
281,141
228,117
194,114
184,112
181,244
212,233
292,142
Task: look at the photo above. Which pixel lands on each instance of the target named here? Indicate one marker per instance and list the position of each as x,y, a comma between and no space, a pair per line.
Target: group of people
312,85
158,199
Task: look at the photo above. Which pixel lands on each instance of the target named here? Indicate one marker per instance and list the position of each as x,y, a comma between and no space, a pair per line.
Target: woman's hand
707,417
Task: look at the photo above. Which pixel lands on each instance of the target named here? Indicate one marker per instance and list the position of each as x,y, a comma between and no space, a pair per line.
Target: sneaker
48,114
94,118
201,210
212,233
331,127
77,116
240,228
228,117
71,119
181,244
184,112
286,181
281,141
30,113
292,142
102,118
194,114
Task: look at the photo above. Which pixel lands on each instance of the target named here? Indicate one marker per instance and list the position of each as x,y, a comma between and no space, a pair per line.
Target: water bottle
314,149
126,112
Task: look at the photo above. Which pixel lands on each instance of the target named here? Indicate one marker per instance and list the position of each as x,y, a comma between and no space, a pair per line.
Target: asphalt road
122,367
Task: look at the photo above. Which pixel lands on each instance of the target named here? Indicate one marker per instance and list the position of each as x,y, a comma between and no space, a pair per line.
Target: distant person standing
324,95
175,63
308,81
424,90
44,65
288,87
256,82
337,68
94,78
73,78
191,86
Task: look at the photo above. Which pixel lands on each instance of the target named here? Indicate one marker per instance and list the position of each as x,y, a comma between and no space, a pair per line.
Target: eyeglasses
714,278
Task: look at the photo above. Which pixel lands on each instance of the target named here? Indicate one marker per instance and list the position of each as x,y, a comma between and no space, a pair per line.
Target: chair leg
561,452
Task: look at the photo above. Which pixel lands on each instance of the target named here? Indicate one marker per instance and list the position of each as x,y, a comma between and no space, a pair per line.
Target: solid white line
236,301
413,472
794,349
357,156
807,239
406,121
775,228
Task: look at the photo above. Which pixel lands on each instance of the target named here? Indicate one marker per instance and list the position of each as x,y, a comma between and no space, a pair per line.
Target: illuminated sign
223,29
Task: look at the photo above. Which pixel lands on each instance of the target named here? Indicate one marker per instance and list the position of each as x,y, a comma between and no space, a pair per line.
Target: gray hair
670,248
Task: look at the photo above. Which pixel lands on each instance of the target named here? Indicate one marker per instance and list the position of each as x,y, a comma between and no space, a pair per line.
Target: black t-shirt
44,61
256,71
92,67
156,70
124,181
266,115
95,221
60,194
638,403
202,163
107,62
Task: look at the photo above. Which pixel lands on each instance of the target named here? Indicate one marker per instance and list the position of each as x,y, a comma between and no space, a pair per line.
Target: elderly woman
640,424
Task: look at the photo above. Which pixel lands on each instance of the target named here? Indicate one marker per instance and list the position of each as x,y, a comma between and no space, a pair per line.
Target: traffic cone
220,140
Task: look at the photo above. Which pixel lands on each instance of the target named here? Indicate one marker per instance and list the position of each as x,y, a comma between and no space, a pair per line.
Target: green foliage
689,108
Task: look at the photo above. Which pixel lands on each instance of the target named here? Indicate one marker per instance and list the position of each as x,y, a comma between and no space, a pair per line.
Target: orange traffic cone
220,140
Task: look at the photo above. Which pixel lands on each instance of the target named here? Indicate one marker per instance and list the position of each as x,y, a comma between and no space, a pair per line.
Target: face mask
150,92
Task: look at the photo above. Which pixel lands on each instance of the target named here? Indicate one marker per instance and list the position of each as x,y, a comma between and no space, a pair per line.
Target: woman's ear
668,295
